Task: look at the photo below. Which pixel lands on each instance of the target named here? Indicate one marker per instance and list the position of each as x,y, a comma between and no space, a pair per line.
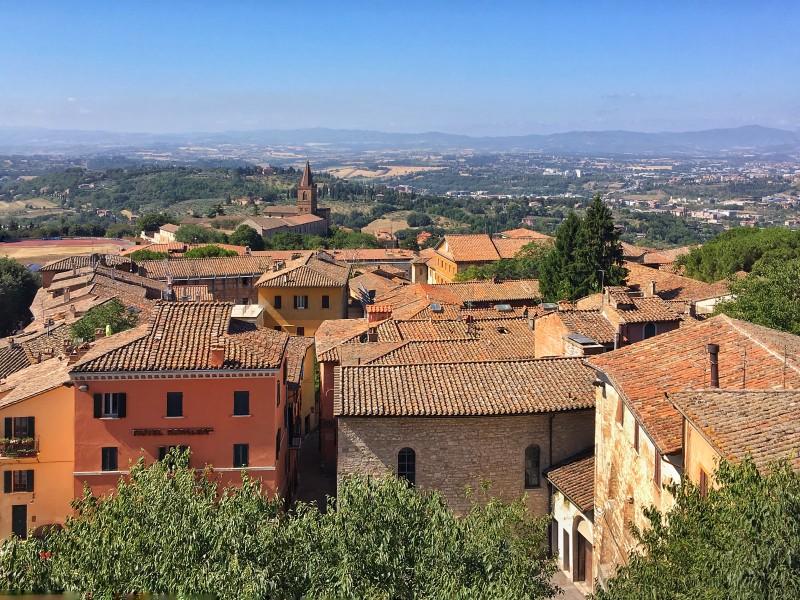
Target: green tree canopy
112,313
739,249
18,287
197,234
769,296
353,240
738,541
247,236
146,254
153,221
210,251
560,277
168,529
285,240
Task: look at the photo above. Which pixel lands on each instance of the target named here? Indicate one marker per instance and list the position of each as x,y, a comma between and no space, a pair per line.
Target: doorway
19,520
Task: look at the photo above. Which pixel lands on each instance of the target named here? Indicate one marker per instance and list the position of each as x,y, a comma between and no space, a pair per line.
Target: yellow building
456,253
37,408
298,295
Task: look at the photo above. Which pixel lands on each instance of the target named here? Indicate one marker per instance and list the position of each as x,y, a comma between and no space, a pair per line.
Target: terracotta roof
575,479
424,256
170,228
464,389
12,359
509,248
78,262
373,255
371,281
491,313
466,350
308,271
180,337
528,234
512,290
186,268
296,349
764,424
592,301
750,355
468,248
34,380
590,323
331,334
670,286
193,293
169,247
633,251
632,309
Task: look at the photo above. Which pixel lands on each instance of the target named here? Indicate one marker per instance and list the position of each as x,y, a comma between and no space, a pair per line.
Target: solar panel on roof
504,308
437,308
581,339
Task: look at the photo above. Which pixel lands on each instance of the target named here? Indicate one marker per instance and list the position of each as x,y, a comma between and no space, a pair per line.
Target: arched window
532,466
407,465
649,330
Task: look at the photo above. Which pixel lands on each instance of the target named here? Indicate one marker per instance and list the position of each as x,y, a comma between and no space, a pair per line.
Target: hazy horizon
469,69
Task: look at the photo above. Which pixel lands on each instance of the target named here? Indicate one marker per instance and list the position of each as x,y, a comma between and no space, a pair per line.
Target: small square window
241,403
301,302
241,455
110,457
301,331
174,404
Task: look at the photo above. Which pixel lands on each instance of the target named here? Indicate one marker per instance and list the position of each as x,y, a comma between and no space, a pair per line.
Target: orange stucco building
193,377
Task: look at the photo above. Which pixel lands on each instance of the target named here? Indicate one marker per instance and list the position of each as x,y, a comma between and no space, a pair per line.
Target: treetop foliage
111,314
738,541
739,249
210,251
18,287
169,530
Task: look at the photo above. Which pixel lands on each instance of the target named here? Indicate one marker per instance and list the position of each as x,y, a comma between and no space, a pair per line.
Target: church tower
307,193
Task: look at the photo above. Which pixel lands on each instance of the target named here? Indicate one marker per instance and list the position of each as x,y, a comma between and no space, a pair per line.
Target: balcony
19,447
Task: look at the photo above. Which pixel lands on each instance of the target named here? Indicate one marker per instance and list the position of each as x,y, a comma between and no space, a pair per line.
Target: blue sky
479,68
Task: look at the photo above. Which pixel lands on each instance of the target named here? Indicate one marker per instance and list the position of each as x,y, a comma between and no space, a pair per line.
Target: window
532,466
109,406
245,300
20,427
649,330
174,404
277,302
277,327
278,444
17,481
109,459
241,454
657,469
301,331
407,465
326,302
301,302
241,403
703,482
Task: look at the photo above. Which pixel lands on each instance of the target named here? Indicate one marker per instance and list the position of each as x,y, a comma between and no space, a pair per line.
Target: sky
475,68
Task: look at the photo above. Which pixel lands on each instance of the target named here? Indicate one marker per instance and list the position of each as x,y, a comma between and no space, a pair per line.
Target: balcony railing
19,447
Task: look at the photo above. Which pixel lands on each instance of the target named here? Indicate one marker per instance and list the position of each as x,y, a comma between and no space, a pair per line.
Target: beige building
452,427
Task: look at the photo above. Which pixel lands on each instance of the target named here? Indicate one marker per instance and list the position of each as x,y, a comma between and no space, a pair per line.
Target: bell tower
307,193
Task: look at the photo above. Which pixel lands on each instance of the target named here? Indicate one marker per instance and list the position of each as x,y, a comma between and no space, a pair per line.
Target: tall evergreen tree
599,253
559,274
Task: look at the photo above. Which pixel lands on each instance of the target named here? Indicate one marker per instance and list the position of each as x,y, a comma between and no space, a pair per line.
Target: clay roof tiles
590,323
670,286
750,356
308,271
467,248
763,424
511,290
463,389
575,479
34,380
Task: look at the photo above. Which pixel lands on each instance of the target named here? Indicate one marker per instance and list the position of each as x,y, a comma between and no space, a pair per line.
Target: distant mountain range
751,139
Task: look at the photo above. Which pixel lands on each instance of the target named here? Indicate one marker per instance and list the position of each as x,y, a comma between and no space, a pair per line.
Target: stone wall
459,452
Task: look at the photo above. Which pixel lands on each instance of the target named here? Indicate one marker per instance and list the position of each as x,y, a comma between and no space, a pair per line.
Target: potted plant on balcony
27,447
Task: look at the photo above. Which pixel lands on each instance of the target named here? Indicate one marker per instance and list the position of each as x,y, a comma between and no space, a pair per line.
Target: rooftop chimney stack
217,355
713,357
651,290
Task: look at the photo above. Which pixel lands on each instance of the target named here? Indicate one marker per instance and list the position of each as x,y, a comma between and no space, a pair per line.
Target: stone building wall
459,452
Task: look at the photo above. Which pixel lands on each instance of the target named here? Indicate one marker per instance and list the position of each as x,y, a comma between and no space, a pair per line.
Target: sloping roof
590,323
670,286
512,290
12,359
750,356
185,268
464,389
642,310
308,271
467,350
764,424
476,247
372,255
574,478
180,337
170,228
371,281
296,349
34,380
523,233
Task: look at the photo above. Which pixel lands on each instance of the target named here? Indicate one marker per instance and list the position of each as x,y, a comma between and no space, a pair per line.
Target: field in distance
352,171
39,252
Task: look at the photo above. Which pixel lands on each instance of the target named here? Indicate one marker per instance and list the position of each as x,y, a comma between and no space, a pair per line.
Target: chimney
248,251
372,335
651,290
691,309
616,340
11,343
67,295
217,357
378,312
713,357
72,312
99,332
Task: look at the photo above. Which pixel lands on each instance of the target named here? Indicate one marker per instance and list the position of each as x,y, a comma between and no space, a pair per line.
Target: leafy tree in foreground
169,530
153,221
559,275
247,236
210,251
739,541
768,296
112,313
18,287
